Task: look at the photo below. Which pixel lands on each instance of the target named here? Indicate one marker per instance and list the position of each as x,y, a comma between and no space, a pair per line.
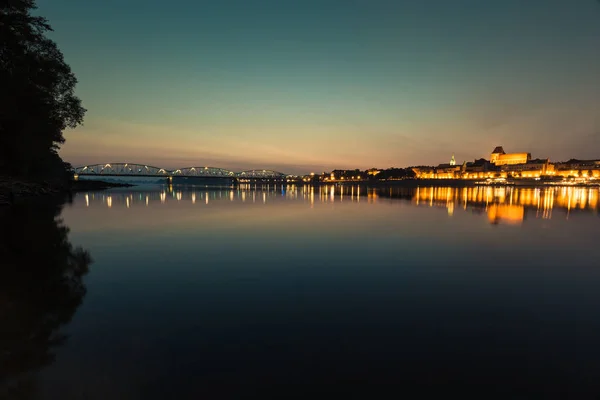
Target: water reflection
257,284
41,287
507,204
501,204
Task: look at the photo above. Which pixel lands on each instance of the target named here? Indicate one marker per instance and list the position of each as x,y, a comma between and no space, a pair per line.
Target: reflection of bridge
126,169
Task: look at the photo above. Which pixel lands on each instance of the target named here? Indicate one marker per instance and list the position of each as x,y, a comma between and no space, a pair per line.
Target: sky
313,85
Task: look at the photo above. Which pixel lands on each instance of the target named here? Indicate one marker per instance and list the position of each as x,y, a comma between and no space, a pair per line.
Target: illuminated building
478,169
578,169
499,157
442,171
530,169
511,165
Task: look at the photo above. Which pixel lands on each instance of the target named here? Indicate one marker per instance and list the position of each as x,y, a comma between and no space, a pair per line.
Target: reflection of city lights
531,202
541,199
451,208
509,214
372,196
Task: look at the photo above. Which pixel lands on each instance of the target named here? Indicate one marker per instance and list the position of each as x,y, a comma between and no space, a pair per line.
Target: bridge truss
121,169
127,169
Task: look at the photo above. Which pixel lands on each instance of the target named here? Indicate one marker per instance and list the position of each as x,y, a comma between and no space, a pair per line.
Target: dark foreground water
189,293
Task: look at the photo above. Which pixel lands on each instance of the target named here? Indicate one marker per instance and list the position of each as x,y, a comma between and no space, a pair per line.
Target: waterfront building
499,157
511,165
479,169
578,169
531,169
442,171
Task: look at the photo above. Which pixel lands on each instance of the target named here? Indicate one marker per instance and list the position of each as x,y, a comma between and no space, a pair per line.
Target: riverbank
83,185
12,190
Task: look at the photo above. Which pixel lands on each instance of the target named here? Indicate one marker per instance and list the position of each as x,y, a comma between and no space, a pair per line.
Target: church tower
452,160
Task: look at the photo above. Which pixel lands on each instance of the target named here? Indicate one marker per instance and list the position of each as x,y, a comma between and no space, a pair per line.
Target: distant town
500,167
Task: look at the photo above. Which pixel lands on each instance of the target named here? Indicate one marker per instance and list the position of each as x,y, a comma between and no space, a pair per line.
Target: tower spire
452,160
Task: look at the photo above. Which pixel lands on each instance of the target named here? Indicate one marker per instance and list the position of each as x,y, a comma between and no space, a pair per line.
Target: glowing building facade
499,157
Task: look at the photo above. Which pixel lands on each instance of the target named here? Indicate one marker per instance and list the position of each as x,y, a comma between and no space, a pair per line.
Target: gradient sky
313,85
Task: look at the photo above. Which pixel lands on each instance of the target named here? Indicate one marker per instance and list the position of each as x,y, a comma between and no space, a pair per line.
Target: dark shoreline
15,190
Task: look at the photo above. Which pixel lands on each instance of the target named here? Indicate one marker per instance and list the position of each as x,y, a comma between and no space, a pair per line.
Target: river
156,292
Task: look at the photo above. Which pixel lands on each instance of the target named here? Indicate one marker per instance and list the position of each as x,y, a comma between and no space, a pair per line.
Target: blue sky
301,86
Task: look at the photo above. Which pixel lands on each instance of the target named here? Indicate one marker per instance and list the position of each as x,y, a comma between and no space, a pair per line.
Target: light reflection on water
501,204
262,285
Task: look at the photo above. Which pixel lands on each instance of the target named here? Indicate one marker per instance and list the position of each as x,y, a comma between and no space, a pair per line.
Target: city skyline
316,86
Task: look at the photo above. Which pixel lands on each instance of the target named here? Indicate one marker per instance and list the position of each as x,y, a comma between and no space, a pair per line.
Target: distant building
578,169
442,171
511,165
499,157
478,169
531,169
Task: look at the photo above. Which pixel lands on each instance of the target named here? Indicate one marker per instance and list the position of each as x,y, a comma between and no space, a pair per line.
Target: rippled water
197,291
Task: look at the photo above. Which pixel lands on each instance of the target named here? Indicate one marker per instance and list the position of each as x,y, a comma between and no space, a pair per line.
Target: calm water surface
202,292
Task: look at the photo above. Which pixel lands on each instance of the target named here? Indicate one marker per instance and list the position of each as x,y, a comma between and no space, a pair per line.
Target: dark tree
41,287
37,99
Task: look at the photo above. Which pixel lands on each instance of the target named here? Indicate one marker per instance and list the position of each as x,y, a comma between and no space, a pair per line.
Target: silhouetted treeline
37,100
372,174
396,173
41,286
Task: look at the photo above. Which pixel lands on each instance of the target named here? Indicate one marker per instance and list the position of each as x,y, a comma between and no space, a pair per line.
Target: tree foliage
37,100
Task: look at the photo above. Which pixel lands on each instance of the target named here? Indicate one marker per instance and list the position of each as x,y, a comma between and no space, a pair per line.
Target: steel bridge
127,169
